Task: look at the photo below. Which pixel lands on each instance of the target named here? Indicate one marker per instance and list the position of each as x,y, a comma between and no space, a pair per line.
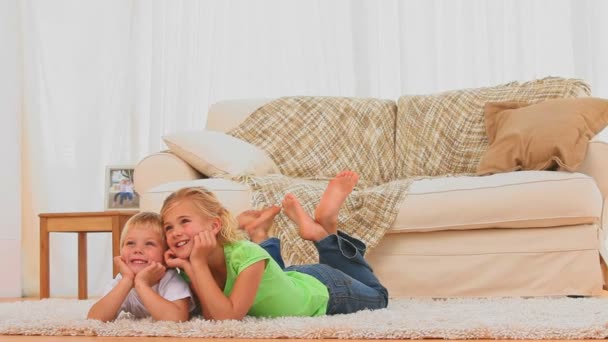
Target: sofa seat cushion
522,199
235,196
552,261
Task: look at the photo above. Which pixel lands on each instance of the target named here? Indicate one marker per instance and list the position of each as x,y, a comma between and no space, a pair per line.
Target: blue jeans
273,247
350,280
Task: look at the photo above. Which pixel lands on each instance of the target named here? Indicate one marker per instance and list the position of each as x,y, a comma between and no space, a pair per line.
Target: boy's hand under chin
150,275
123,268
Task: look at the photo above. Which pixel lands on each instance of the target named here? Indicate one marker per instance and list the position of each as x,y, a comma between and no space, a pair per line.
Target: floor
6,338
178,339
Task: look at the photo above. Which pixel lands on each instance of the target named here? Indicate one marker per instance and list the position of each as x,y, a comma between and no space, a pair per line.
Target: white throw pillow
215,153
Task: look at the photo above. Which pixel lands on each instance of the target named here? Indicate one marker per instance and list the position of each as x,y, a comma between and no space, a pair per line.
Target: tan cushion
509,200
445,133
547,135
215,153
235,196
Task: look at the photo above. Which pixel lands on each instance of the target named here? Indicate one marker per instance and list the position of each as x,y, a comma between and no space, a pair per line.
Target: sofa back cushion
320,136
445,133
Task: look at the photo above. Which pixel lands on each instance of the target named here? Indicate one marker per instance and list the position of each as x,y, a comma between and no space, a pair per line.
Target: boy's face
141,247
182,223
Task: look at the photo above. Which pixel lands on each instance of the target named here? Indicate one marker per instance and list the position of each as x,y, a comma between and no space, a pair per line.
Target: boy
144,287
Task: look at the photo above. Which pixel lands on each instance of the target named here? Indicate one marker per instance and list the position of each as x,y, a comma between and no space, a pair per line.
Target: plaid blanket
311,139
321,136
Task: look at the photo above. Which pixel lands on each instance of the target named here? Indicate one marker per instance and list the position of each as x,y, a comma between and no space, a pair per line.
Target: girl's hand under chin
204,243
173,261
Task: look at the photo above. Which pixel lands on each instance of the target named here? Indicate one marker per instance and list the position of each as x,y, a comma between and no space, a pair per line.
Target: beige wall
10,136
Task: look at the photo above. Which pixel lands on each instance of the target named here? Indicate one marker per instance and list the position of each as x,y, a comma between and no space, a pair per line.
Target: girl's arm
160,308
174,262
106,309
213,301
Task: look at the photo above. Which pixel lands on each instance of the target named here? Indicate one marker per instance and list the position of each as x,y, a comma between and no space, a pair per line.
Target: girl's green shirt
280,293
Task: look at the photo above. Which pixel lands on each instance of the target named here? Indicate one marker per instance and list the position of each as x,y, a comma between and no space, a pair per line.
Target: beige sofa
527,233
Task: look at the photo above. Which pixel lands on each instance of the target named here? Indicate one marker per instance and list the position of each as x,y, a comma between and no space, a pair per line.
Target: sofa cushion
509,200
552,134
445,133
235,196
216,154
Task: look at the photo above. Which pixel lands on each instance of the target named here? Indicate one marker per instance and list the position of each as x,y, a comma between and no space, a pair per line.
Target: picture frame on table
119,191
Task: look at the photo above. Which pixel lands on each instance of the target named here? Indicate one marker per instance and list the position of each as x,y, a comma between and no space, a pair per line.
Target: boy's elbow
98,318
182,317
232,316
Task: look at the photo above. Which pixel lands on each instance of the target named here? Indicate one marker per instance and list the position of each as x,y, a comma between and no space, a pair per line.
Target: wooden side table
81,223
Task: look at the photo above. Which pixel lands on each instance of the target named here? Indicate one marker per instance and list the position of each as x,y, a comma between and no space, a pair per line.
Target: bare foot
257,223
247,217
334,196
307,227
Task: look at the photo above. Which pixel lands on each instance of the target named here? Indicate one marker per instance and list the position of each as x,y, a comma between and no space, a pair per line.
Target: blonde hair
147,220
207,206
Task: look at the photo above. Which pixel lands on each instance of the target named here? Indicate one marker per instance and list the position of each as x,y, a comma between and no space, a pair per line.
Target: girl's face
182,223
141,247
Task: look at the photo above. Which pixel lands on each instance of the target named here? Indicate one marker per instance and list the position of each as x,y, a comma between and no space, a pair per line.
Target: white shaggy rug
499,318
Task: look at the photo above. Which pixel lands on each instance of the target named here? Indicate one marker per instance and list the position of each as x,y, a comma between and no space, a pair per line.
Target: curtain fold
104,80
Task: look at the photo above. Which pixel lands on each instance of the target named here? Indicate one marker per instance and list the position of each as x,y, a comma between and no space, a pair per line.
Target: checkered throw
445,133
321,136
311,139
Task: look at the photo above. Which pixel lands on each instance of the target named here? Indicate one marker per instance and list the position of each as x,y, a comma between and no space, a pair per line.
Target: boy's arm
106,309
159,307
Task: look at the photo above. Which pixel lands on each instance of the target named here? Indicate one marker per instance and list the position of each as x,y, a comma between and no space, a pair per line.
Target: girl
233,277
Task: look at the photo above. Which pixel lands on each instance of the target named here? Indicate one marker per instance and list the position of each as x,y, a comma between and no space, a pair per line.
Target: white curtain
10,140
105,79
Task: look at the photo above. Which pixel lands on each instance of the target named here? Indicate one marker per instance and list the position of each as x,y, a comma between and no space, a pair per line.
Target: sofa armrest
236,197
596,166
160,168
596,161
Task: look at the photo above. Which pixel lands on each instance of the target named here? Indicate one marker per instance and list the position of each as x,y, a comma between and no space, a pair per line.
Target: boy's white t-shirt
171,287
